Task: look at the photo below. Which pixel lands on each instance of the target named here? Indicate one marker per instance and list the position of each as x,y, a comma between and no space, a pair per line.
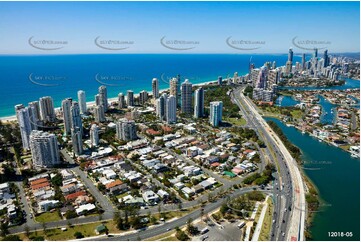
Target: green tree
12,237
78,235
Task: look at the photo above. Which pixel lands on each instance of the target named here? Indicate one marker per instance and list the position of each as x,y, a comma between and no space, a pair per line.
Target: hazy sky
138,27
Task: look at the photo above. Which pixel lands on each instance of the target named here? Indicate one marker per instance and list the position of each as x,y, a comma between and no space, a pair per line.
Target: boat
354,155
303,132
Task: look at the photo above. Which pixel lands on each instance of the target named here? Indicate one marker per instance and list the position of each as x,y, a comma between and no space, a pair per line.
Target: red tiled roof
74,195
38,181
114,184
41,185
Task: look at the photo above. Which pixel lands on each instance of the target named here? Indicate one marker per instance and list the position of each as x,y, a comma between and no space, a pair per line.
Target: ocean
26,78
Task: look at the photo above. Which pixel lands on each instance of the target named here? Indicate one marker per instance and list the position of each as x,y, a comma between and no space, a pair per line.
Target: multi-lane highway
290,195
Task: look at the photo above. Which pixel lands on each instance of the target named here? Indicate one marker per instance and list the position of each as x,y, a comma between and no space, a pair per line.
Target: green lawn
297,114
48,217
57,234
237,121
267,222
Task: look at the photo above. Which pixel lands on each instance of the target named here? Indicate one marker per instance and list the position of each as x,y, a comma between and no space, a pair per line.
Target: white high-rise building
23,118
171,109
66,106
155,88
215,113
161,106
36,114
121,101
76,139
47,112
94,135
143,97
82,101
76,117
199,103
174,88
126,130
103,97
130,98
186,90
99,114
44,149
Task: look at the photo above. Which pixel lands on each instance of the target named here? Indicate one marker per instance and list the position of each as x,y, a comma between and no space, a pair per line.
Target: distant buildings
126,130
94,135
161,106
76,122
199,103
82,101
130,98
99,114
215,113
186,90
47,112
36,115
103,97
121,101
155,88
66,106
44,149
23,117
174,88
143,97
219,81
76,139
171,109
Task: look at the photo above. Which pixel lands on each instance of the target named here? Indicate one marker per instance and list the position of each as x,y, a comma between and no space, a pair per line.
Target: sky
178,27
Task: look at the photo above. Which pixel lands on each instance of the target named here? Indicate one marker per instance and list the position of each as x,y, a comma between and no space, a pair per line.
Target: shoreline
8,119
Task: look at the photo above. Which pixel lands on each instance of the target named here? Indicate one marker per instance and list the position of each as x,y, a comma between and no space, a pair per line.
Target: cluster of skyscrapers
266,78
181,95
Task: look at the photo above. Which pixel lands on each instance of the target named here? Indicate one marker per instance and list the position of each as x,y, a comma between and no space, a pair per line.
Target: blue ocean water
61,76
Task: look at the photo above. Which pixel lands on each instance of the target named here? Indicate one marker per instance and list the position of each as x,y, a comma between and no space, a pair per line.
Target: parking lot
225,232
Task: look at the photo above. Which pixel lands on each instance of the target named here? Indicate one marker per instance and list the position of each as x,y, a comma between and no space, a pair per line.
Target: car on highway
204,238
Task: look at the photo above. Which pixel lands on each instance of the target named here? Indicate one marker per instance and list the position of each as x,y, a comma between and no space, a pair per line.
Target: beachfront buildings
24,115
215,113
44,149
36,115
155,88
82,101
126,130
47,112
103,97
186,90
121,101
130,98
199,103
143,97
